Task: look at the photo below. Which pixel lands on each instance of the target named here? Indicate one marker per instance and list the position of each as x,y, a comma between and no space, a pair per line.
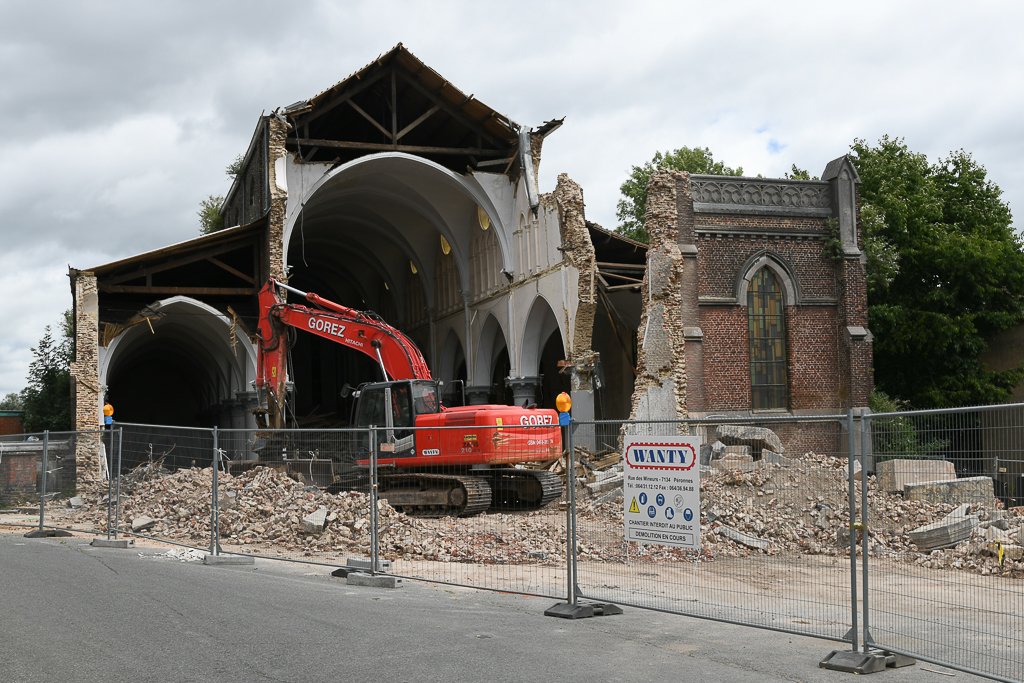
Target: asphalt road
70,612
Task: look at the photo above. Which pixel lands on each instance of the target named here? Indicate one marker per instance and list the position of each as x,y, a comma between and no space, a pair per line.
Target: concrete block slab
894,474
366,563
967,490
378,581
113,543
228,560
48,533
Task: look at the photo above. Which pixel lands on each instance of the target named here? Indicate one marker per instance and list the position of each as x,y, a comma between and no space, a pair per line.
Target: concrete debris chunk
893,475
142,522
745,539
757,437
314,523
705,454
76,502
945,533
967,490
774,458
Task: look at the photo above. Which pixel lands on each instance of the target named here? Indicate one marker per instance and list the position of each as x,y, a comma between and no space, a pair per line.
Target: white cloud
118,119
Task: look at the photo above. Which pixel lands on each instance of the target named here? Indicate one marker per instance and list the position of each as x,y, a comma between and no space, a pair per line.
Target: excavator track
435,495
516,489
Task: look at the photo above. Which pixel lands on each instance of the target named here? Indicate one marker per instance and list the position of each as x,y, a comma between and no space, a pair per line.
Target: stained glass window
767,333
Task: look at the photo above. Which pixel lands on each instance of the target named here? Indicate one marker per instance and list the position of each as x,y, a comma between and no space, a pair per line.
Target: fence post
42,488
117,508
214,502
865,428
108,463
374,554
853,538
570,469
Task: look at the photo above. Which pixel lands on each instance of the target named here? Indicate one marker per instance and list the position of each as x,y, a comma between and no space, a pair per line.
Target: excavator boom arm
349,327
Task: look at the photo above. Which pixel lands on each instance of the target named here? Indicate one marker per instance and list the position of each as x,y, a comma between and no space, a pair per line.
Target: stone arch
780,267
452,362
489,345
540,324
401,181
188,354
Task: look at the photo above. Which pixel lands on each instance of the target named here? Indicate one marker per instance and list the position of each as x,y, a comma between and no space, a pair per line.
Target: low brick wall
11,423
18,476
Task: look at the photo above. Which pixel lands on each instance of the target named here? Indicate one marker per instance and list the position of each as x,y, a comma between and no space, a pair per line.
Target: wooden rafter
369,118
423,117
345,97
451,110
383,147
202,255
200,291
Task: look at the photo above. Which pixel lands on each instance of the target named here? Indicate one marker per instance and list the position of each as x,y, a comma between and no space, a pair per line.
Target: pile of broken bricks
263,511
792,507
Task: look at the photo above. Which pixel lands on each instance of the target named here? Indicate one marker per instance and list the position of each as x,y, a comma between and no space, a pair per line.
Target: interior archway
389,233
191,368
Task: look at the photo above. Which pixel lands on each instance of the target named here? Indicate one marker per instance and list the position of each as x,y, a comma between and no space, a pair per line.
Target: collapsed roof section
398,103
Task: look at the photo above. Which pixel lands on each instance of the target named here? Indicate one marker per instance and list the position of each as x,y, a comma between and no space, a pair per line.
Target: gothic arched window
767,332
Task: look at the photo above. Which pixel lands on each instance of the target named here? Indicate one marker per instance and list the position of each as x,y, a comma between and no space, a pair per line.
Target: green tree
234,169
800,174
210,218
11,401
46,399
632,208
945,273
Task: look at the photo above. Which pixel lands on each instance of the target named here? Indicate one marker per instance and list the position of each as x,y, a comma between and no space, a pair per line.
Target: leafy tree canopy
210,218
632,208
945,273
11,401
47,398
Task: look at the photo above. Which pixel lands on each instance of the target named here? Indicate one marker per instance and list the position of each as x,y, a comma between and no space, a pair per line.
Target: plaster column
478,395
524,389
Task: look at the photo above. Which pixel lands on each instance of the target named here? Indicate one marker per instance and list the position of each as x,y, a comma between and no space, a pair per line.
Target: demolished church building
393,191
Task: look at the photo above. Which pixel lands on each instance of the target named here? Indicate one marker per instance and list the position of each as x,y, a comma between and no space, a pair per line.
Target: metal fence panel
945,528
499,524
775,514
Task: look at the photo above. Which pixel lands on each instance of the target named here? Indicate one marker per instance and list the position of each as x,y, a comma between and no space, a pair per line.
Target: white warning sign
661,490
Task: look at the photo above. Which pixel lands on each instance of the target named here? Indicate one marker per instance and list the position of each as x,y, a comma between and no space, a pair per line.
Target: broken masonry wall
278,132
579,251
87,392
660,389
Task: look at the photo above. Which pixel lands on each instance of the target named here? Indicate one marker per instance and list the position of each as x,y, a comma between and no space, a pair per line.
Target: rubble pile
803,509
262,509
799,508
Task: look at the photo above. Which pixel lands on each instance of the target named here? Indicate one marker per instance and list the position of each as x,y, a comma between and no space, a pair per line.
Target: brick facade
18,478
730,228
10,423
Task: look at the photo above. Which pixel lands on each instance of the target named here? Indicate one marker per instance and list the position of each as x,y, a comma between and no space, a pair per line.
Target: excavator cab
408,399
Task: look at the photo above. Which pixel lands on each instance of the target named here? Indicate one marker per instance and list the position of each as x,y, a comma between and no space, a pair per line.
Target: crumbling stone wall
579,250
275,230
660,389
85,376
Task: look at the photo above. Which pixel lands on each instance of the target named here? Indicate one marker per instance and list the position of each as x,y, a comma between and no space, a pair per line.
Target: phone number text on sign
661,490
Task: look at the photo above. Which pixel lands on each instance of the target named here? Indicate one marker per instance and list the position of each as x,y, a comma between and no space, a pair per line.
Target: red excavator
457,460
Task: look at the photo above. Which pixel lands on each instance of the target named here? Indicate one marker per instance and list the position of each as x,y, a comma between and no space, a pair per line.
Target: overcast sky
117,118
